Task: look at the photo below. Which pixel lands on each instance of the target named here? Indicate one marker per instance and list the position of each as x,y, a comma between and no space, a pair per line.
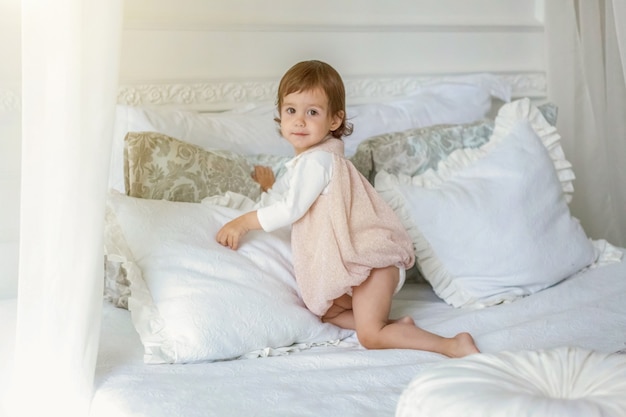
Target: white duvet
585,311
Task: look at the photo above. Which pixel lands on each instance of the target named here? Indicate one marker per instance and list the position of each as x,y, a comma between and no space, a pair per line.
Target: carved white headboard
221,95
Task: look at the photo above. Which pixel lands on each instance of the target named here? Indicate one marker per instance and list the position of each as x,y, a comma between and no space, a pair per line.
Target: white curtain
70,51
586,45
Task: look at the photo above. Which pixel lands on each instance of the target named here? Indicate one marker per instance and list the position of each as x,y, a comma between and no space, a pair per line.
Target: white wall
10,91
198,39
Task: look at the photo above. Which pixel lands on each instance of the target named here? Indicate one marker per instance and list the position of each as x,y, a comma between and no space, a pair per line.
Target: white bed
213,332
193,329
587,311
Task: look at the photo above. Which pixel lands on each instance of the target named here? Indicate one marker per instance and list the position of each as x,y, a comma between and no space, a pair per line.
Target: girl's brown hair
309,75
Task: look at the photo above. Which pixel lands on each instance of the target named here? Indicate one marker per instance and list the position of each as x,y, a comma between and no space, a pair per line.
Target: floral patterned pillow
412,152
160,167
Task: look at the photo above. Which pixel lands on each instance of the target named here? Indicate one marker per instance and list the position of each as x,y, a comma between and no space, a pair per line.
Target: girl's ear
337,119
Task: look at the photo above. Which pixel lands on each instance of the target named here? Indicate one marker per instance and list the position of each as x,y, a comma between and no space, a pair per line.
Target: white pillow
195,300
251,129
492,223
463,101
452,100
559,382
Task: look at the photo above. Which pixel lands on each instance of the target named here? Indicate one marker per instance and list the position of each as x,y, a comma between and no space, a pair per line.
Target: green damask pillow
412,152
160,167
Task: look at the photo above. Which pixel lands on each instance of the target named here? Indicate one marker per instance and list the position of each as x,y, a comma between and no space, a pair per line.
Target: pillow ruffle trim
605,253
523,109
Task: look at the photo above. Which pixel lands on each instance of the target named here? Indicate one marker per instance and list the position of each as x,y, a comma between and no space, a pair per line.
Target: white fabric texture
586,74
193,299
492,224
586,311
560,382
252,130
67,45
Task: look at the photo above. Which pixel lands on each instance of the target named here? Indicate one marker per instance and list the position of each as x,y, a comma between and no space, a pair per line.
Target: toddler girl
350,251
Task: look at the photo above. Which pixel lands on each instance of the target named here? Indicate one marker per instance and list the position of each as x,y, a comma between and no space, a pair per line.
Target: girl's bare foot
461,345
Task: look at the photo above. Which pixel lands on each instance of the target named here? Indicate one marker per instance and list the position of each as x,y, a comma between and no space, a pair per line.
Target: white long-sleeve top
305,178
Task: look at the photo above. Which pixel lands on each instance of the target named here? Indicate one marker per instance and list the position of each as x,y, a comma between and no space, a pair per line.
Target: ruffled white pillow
560,382
492,223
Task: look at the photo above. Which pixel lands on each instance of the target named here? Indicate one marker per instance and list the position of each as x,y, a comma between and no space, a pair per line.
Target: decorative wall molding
222,95
533,85
210,95
9,101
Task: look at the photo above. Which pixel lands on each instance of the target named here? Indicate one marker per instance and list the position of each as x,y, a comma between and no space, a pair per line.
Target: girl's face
305,119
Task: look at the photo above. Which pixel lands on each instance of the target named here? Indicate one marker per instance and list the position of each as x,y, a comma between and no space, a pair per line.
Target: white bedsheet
587,310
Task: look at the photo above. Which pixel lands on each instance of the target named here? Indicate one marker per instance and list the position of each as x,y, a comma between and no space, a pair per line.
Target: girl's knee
369,337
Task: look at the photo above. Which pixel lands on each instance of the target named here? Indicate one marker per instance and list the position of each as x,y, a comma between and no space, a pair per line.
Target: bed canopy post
70,52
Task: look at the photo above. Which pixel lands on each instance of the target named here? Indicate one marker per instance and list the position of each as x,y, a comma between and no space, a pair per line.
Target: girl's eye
313,112
290,110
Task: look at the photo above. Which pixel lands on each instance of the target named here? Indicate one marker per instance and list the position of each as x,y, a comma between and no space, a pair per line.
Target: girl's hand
232,233
264,176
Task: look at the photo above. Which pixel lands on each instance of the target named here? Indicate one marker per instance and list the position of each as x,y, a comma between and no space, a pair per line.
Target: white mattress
587,311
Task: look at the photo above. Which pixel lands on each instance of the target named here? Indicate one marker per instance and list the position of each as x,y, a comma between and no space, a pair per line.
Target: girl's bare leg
371,304
341,314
